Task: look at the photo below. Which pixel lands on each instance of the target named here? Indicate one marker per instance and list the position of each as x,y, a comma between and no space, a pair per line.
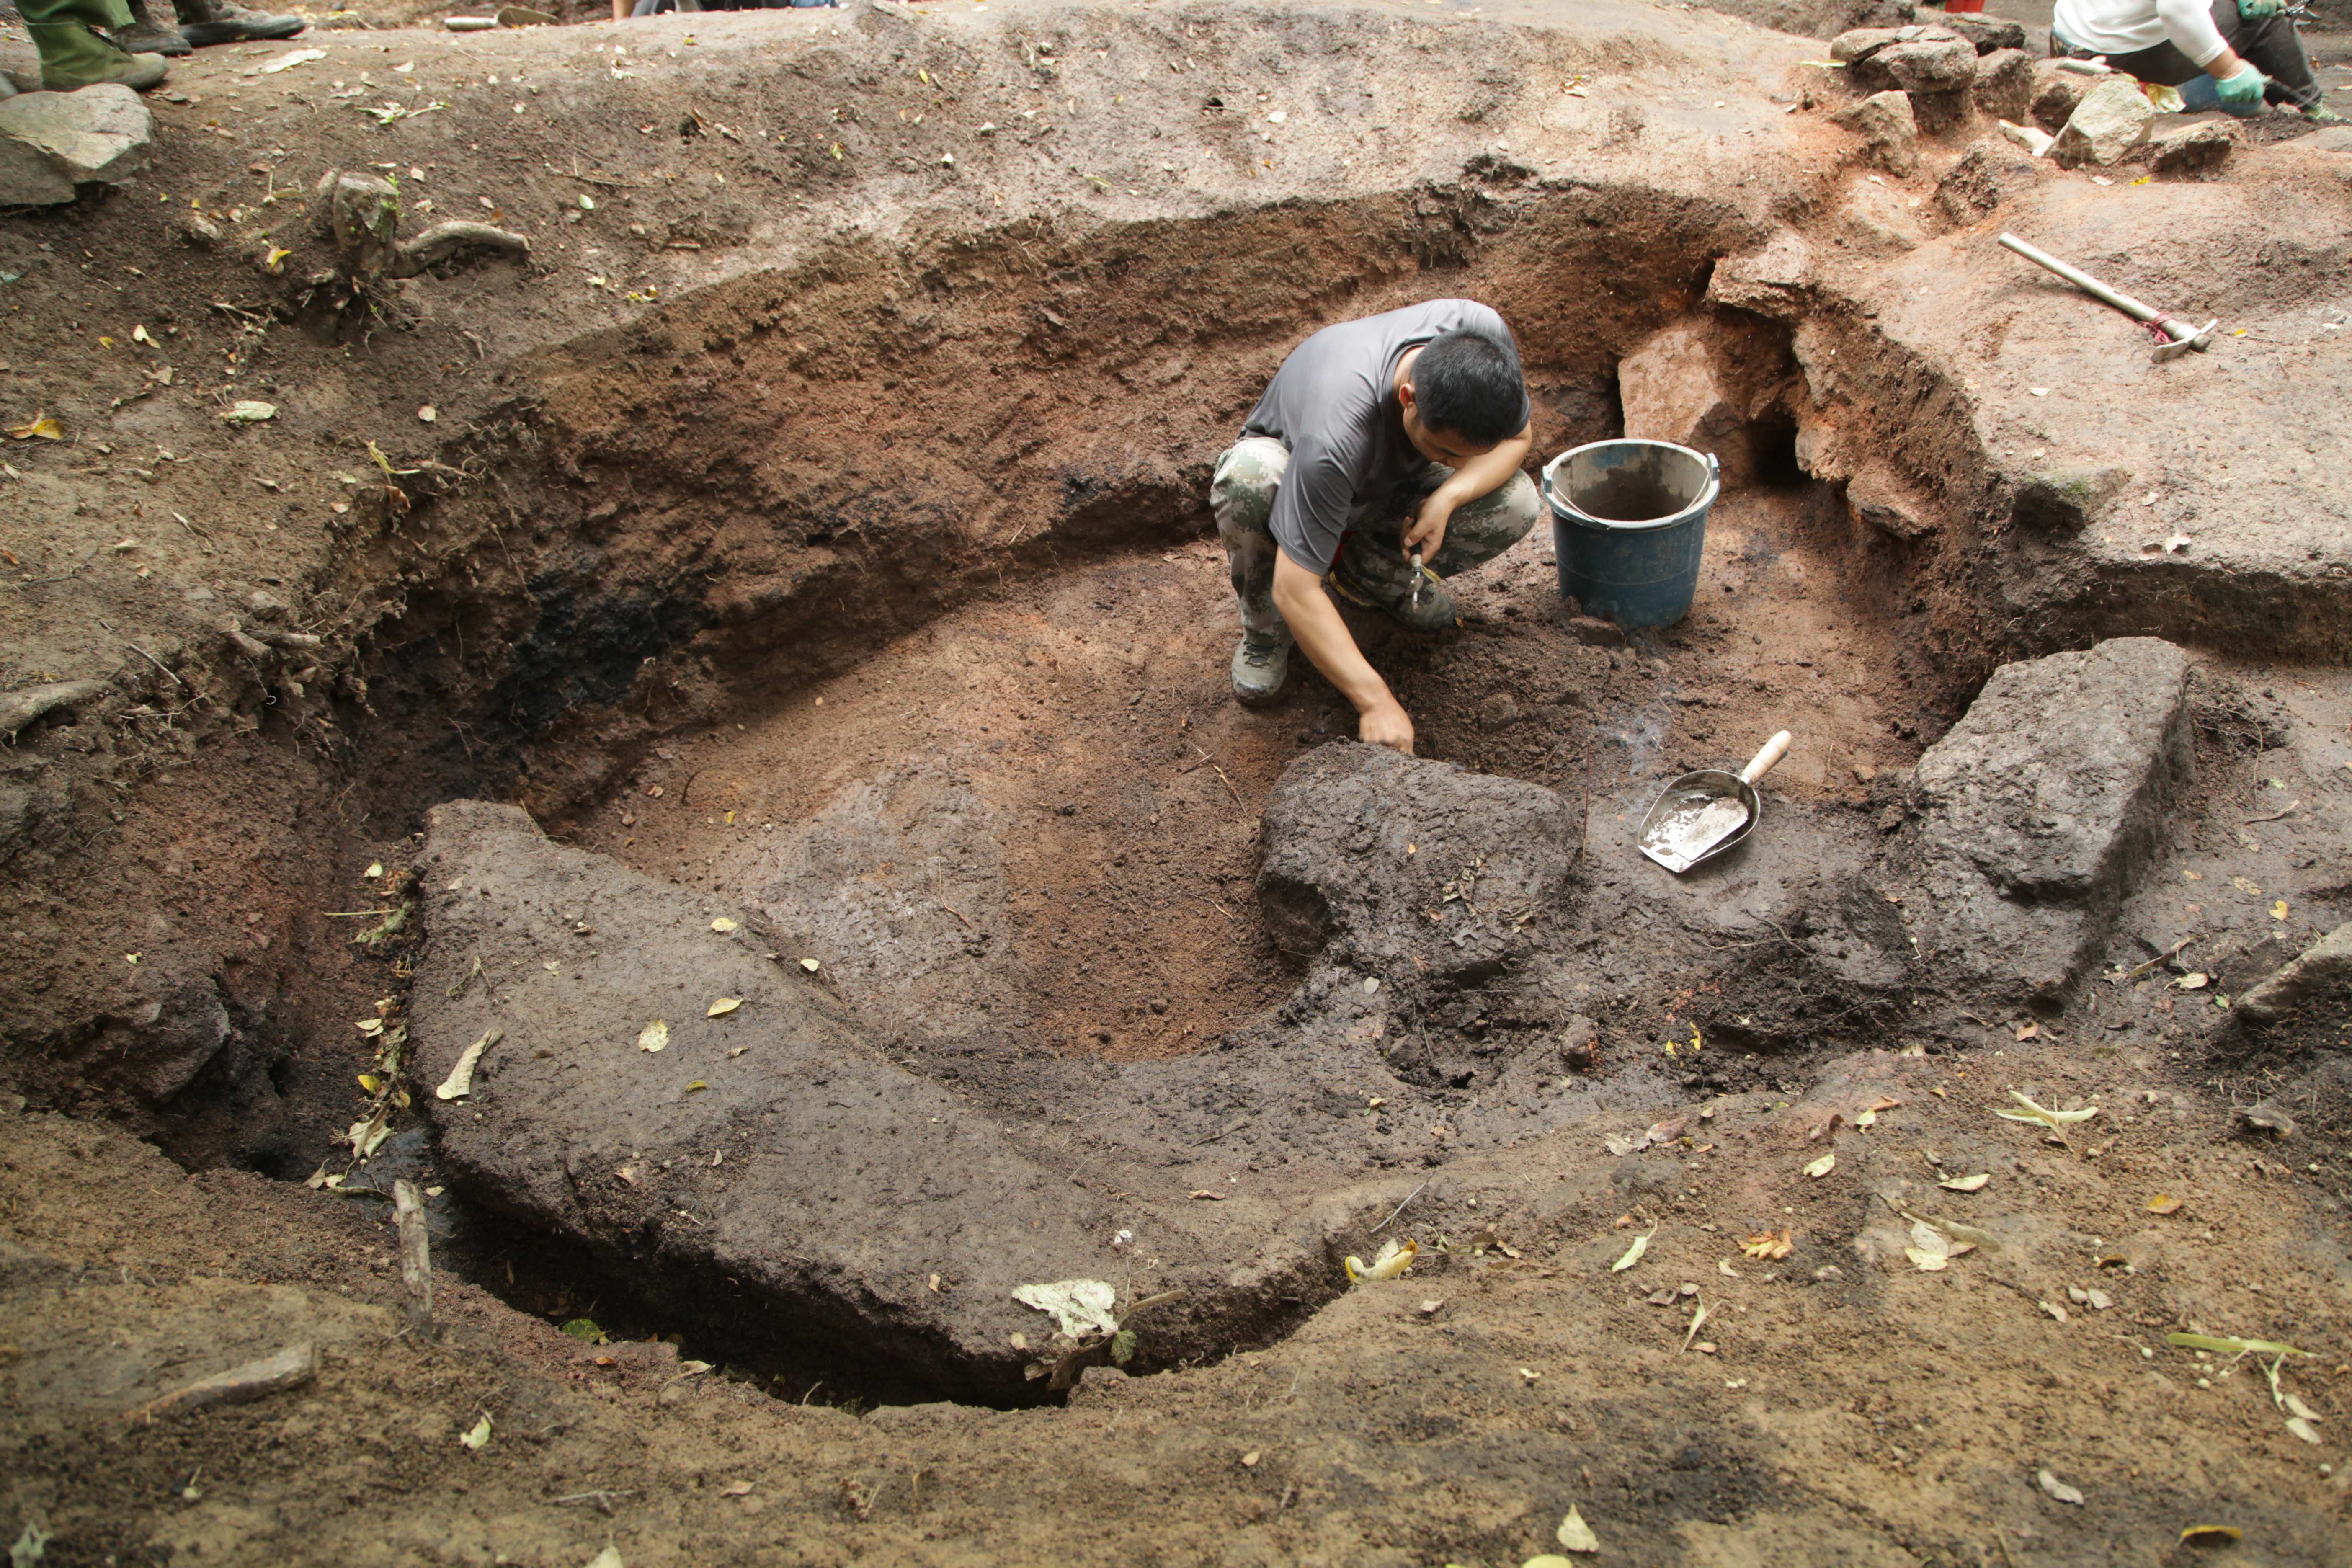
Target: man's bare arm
1482,475
1324,637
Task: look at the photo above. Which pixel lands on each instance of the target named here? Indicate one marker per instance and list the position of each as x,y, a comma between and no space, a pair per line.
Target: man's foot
146,36
1260,666
1366,578
207,22
74,57
2320,114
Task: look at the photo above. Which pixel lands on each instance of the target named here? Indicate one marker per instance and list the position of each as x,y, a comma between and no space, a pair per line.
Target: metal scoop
1706,813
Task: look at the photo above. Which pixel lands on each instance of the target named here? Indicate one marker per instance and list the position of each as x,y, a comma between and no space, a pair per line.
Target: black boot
206,22
146,36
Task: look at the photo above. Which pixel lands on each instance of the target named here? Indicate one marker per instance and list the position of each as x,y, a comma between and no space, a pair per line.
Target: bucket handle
1707,492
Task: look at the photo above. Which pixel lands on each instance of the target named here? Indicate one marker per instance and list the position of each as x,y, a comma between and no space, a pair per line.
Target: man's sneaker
1260,666
146,36
206,22
1363,578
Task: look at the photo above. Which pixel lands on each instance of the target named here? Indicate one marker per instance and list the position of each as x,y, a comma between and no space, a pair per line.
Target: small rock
2111,120
1671,392
1928,64
1861,43
1594,632
1888,129
2320,968
1579,1044
2268,1116
1775,280
1989,35
1499,711
1987,175
2003,87
1877,498
2056,92
201,230
2196,148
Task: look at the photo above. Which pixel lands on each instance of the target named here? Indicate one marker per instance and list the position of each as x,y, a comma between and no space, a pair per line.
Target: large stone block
761,1173
2003,87
1671,390
1889,131
1775,280
2110,122
51,141
1413,867
2039,807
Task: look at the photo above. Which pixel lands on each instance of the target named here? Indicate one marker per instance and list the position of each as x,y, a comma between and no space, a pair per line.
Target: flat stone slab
762,1170
1410,865
51,141
2042,805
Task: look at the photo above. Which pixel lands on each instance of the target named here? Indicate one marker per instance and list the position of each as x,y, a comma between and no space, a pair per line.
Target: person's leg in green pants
74,54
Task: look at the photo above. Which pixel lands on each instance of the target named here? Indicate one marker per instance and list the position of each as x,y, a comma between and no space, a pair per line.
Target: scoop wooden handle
1762,763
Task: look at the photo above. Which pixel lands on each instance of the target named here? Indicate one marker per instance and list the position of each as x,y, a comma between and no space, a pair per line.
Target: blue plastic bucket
1628,521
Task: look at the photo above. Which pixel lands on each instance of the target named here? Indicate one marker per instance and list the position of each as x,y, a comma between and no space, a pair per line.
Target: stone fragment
51,141
2195,149
1989,35
1861,43
2056,91
1775,280
1929,65
1820,452
1888,129
1671,392
2040,808
2003,86
1363,845
2322,967
1877,497
2111,120
1986,176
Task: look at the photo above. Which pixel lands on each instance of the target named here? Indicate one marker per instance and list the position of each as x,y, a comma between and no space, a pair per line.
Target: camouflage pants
1241,497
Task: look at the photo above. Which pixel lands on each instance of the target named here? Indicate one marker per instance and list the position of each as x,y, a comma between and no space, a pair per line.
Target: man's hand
1427,534
1386,724
2255,10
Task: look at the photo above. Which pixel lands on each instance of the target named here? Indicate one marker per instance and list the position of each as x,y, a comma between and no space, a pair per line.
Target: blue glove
2255,10
2244,90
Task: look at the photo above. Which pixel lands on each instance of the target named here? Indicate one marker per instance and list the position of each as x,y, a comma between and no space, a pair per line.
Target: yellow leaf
368,1026
654,1036
2278,911
1769,1245
375,870
2209,1532
1822,1166
275,262
42,427
1393,1259
723,1006
106,343
479,1435
810,964
1577,1535
139,335
2164,1203
1966,1183
697,1083
370,1082
722,925
1634,1253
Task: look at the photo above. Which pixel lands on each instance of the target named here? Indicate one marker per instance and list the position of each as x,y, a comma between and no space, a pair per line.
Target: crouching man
1379,440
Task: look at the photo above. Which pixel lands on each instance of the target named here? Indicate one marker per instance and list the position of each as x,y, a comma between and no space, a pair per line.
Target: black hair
1469,384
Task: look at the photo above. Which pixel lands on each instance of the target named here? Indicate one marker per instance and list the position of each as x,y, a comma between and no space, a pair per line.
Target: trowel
1704,814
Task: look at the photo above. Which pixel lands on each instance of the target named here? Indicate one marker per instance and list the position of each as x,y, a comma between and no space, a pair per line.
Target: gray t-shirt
1333,403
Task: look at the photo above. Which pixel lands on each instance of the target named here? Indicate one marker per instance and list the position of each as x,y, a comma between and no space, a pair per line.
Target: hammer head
2179,337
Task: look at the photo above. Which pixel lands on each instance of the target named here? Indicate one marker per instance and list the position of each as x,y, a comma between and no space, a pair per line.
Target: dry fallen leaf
722,925
654,1036
1249,1461
1822,1166
2164,1203
736,1488
1207,1196
724,1006
1576,1535
41,427
248,412
2053,1309
460,1081
1393,1259
810,964
2194,980
478,1435
1634,1253
1927,1262
1966,1183
1768,1245
2207,1534
2057,1488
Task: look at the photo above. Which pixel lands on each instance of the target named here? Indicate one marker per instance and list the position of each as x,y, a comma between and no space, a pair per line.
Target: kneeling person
1399,433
